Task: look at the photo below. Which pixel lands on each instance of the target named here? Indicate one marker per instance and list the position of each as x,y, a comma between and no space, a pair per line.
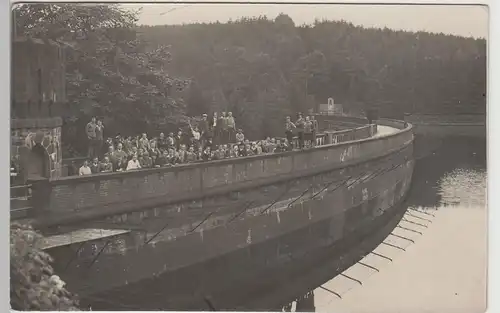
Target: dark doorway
38,162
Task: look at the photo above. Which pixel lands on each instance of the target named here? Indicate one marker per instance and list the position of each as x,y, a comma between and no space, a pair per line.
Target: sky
461,20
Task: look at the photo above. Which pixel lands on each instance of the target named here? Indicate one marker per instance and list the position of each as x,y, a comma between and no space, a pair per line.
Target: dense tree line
135,77
262,69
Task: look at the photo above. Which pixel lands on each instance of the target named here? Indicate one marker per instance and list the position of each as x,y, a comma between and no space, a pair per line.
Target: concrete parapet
73,198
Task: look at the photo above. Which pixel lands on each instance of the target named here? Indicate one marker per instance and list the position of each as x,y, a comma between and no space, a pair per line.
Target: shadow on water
449,172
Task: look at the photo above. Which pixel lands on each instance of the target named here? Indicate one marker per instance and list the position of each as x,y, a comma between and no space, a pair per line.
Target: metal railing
320,140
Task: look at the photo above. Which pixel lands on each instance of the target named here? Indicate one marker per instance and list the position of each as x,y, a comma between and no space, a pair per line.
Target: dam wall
76,198
238,239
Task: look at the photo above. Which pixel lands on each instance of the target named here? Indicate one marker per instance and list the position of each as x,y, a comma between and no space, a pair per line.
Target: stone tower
38,98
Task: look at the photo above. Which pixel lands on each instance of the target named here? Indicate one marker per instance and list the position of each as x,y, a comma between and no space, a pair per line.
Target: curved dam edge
74,199
252,277
214,247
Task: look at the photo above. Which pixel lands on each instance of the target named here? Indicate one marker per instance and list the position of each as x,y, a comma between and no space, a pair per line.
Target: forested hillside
262,69
149,79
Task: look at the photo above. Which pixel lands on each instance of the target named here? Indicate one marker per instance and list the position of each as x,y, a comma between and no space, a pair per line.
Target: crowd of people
213,138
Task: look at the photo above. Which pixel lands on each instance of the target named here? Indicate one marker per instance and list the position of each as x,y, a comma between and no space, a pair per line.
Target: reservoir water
446,268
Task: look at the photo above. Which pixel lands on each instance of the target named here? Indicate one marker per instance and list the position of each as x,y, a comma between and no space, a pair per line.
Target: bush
33,285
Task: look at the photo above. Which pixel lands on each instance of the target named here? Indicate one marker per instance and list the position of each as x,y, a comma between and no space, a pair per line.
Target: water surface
449,173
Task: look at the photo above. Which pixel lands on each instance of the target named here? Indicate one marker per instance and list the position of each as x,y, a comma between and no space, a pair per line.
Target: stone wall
74,198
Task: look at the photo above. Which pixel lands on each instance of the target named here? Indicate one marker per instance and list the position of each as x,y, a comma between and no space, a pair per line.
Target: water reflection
453,174
453,157
464,188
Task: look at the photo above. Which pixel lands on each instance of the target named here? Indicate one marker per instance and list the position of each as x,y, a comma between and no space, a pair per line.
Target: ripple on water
464,188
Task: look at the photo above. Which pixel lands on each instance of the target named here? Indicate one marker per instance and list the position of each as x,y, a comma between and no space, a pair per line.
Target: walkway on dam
444,270
385,130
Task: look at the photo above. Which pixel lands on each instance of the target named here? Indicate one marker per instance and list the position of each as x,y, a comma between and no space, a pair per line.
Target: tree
112,71
195,101
33,285
285,21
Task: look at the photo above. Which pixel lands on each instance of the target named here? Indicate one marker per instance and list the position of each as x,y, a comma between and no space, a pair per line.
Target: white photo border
493,113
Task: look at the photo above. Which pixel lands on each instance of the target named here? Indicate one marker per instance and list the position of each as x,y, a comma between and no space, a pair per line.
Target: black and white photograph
276,157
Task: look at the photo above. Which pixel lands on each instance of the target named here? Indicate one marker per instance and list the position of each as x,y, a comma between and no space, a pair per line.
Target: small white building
331,108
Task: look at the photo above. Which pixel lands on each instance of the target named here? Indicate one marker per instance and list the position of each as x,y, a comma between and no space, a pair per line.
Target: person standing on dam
371,115
99,139
231,127
214,128
308,131
300,130
289,127
223,133
315,128
91,135
204,129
